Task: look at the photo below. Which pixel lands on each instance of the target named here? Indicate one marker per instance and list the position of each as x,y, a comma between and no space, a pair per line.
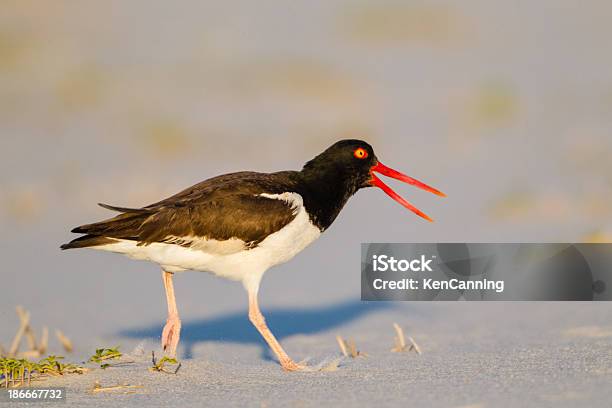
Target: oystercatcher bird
239,225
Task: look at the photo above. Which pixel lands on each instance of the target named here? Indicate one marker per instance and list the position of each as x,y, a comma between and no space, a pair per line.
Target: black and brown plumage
239,225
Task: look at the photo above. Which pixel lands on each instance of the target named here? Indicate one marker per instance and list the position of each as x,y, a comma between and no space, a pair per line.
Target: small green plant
104,354
11,370
17,373
53,366
160,366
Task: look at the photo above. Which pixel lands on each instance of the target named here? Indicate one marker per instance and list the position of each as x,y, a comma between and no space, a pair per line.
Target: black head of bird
349,165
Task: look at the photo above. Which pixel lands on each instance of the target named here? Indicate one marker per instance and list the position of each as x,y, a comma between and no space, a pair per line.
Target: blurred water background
504,106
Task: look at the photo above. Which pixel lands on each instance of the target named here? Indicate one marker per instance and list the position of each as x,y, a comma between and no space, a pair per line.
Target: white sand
504,354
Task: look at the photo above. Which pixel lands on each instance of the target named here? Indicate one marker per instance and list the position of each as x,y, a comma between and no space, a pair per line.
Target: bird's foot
171,335
290,365
328,365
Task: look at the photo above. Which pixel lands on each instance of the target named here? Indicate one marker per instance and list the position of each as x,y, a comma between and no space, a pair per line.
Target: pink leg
172,329
259,322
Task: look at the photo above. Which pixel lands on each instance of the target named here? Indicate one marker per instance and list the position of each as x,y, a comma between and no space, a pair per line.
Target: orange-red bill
378,183
387,171
382,169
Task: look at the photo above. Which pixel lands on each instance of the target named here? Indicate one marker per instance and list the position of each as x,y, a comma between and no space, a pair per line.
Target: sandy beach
504,106
513,354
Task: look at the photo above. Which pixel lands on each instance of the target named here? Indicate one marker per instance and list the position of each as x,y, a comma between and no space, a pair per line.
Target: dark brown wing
220,208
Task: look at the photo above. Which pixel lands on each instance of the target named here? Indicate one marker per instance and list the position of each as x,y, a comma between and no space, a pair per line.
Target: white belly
230,259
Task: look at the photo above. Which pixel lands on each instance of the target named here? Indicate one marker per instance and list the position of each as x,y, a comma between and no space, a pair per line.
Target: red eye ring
360,153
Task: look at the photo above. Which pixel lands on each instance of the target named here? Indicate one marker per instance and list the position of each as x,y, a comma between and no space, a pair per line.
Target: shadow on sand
235,327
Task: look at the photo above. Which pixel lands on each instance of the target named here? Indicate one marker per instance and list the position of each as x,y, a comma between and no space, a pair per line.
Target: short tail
124,226
87,241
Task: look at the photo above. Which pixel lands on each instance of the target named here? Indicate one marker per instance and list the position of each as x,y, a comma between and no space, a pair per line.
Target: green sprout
104,354
53,366
159,366
16,373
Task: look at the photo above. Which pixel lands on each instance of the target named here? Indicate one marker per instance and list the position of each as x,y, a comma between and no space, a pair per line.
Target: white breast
230,258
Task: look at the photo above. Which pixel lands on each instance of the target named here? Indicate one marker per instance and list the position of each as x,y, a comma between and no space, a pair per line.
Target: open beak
384,170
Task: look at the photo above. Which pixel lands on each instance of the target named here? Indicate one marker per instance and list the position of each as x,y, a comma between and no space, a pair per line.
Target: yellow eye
360,153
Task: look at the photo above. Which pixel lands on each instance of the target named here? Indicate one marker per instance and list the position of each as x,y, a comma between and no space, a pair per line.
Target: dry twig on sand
24,318
414,346
35,349
348,348
44,341
99,388
342,345
29,333
400,341
66,343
